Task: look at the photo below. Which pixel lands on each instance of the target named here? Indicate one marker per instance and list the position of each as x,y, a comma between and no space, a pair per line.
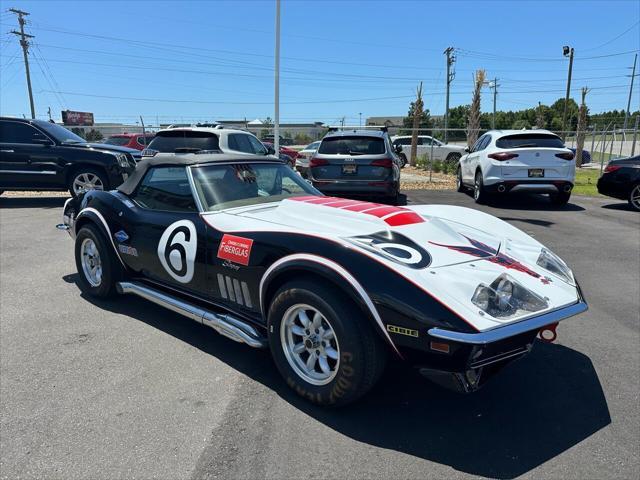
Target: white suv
430,146
205,139
504,161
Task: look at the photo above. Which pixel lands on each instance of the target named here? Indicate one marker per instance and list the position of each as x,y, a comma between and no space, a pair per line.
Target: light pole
276,126
567,51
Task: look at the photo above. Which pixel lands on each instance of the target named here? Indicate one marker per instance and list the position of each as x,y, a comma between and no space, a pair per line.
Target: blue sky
207,60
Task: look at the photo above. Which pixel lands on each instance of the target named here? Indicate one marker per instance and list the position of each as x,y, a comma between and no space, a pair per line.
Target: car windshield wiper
355,153
70,142
525,145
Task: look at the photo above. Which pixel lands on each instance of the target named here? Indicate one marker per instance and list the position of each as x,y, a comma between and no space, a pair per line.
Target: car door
164,238
27,157
470,161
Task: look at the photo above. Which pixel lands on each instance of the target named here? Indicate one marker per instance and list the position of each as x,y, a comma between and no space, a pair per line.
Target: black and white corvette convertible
330,285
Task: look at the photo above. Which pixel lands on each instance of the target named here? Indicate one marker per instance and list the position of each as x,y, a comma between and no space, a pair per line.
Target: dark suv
39,155
357,162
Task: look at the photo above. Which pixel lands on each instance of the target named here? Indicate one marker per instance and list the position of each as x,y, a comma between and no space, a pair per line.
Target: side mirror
467,150
398,148
271,150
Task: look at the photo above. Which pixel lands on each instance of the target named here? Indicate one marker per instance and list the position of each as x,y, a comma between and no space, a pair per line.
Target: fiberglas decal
235,249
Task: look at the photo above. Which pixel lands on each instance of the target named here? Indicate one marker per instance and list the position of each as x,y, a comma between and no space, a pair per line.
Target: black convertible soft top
185,160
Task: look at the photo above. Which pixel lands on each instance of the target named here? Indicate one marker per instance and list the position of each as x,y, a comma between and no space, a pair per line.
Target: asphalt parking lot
126,389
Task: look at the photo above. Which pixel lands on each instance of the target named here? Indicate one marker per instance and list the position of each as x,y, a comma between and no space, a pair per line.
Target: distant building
391,121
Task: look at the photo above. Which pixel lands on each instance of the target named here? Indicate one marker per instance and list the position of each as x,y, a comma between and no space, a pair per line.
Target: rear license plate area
536,172
349,169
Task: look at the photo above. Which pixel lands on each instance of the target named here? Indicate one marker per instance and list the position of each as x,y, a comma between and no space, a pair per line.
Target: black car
621,179
356,163
244,245
40,155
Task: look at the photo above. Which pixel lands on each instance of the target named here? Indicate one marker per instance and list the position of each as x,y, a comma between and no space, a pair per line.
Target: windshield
312,146
176,141
60,133
117,141
356,145
528,140
244,184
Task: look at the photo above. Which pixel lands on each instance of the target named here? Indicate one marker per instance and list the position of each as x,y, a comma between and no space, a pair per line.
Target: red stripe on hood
392,216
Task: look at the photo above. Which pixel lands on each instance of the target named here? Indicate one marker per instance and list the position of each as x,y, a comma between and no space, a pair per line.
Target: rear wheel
634,197
480,194
85,179
560,198
322,343
96,261
403,160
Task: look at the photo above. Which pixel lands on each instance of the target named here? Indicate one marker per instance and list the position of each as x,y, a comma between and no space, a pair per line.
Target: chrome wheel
477,186
91,264
634,197
310,344
86,181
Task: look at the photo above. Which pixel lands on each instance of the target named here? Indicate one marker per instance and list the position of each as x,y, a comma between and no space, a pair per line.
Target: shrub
422,161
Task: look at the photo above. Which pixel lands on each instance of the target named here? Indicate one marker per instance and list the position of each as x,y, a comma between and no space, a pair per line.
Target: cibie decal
177,250
235,249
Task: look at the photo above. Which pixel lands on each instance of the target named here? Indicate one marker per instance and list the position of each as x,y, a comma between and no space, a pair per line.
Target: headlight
123,161
554,264
505,298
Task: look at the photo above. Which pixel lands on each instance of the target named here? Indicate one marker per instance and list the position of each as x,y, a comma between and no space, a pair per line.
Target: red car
130,140
285,150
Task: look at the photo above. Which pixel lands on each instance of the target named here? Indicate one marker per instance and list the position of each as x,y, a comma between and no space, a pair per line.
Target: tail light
318,162
612,168
502,156
383,162
565,155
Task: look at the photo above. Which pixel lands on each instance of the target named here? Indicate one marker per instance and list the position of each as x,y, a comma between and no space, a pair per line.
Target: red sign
235,249
77,118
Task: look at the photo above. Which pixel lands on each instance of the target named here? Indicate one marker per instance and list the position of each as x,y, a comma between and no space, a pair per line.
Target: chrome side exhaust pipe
226,325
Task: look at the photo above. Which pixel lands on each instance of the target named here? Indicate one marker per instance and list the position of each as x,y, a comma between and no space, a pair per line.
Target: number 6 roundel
177,250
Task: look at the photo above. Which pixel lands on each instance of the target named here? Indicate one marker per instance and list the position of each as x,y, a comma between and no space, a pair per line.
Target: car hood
464,247
103,147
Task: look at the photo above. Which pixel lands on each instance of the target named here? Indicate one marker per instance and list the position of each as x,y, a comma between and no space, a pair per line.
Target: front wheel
85,179
322,343
634,197
459,184
96,261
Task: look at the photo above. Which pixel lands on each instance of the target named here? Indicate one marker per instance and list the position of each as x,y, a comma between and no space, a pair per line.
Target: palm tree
581,128
417,114
473,127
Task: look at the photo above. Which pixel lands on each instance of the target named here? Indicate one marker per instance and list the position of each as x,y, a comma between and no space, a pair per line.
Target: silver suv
357,162
205,139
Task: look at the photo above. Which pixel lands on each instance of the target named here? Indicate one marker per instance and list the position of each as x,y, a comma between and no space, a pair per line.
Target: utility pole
633,74
450,76
566,50
276,130
360,118
495,86
25,47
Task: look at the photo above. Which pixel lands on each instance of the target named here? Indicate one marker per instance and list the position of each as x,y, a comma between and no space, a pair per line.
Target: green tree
94,135
424,121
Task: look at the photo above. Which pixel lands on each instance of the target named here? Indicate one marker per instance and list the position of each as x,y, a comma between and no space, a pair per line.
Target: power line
231,103
613,39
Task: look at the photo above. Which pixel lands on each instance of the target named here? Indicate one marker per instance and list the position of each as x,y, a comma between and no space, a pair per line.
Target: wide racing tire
98,267
322,344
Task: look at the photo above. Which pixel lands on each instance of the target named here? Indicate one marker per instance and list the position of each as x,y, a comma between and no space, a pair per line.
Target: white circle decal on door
177,250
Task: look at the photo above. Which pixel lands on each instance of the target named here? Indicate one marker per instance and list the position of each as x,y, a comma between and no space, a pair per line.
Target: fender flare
322,266
95,217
